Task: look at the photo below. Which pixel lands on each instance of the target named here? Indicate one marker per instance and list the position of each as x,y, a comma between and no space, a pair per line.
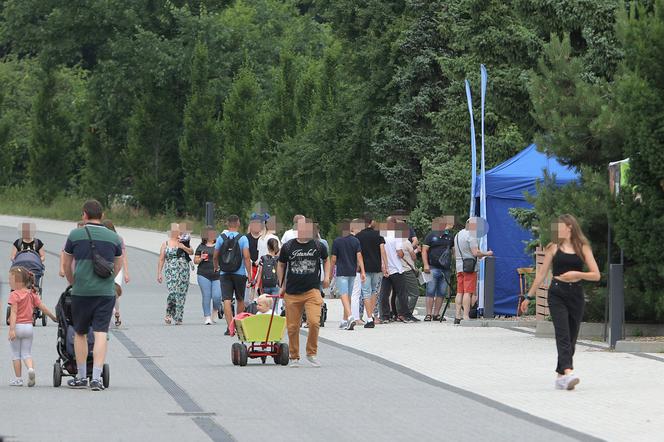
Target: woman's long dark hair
577,238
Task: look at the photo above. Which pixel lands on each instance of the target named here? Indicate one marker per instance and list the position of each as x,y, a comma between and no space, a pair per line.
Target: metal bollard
616,304
489,285
209,213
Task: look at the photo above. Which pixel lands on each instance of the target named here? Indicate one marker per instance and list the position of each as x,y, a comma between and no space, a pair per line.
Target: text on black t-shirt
303,265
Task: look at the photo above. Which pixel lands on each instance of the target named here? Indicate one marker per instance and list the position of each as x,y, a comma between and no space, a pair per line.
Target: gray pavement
178,383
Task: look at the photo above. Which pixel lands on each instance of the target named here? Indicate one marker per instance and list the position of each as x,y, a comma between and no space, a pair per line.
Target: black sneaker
457,321
78,383
369,324
96,385
413,318
227,332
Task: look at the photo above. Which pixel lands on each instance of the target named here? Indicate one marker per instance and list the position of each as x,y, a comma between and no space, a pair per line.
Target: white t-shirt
393,261
288,235
464,241
262,244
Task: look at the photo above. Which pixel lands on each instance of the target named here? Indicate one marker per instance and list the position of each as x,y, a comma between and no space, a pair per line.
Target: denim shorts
371,284
438,284
345,284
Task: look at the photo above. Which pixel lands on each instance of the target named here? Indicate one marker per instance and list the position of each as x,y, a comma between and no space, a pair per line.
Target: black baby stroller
66,363
31,261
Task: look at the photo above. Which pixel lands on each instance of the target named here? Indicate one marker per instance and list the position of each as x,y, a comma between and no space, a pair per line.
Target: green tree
50,150
569,109
241,155
639,213
5,153
152,154
200,142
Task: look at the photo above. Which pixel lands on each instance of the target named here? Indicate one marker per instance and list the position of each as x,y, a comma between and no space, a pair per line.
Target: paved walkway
397,382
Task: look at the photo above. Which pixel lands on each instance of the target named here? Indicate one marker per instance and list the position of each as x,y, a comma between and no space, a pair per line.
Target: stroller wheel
57,375
106,375
44,320
263,359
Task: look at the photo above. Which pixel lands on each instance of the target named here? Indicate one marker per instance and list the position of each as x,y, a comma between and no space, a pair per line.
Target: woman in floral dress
176,270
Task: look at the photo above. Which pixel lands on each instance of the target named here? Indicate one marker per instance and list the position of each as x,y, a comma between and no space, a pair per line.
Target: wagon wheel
244,354
283,354
235,353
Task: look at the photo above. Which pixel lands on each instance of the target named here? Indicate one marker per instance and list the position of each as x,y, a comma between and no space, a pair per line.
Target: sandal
168,319
427,318
118,322
436,317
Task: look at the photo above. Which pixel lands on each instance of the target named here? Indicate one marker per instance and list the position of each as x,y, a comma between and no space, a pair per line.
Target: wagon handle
269,327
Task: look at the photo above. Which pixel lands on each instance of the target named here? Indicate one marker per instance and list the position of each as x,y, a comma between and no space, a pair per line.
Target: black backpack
230,256
445,259
269,273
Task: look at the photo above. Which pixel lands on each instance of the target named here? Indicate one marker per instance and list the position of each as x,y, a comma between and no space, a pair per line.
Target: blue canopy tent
506,186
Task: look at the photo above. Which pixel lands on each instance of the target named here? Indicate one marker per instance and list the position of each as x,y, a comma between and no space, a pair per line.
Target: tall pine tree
50,148
200,143
241,155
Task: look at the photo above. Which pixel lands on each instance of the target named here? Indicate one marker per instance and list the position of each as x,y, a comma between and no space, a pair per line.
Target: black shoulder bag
100,265
468,263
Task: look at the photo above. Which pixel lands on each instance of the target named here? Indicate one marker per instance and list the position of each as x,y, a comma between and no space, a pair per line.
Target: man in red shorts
466,248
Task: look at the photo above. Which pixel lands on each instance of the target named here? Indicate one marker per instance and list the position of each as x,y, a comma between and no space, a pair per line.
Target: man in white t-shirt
393,279
292,233
466,247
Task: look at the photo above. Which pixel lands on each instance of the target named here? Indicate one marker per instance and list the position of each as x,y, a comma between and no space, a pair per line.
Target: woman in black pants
566,255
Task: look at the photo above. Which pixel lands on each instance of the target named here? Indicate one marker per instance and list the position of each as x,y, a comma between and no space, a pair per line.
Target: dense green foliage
591,116
333,107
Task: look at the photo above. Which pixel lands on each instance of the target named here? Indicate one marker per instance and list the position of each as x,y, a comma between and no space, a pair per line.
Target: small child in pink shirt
23,301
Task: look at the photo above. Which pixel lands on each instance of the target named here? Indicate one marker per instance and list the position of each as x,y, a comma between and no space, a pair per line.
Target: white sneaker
208,321
572,381
567,382
350,324
313,360
343,324
18,382
294,363
31,377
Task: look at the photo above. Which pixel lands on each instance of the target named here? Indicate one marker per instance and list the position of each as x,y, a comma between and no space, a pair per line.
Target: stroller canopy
30,260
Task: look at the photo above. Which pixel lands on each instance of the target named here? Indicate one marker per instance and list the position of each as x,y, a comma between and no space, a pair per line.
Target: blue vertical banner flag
473,148
483,240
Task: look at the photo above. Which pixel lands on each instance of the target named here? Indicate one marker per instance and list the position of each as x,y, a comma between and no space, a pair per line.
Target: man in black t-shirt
375,265
253,235
299,264
437,244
